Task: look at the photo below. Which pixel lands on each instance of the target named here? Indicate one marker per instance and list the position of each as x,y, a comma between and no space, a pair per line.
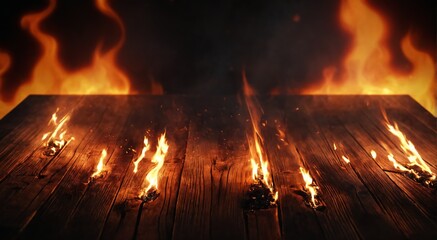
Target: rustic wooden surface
207,171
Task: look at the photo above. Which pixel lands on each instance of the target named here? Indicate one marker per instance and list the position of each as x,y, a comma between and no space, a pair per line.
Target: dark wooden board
207,170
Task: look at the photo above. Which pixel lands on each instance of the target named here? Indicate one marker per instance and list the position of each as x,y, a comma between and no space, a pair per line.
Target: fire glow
367,64
150,192
49,76
417,166
261,193
54,141
100,166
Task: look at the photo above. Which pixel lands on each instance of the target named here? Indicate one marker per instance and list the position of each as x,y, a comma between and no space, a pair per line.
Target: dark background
200,47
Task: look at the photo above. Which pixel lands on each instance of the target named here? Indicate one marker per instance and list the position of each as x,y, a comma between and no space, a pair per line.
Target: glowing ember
310,188
151,191
417,166
367,66
345,159
335,146
54,141
373,154
100,165
143,154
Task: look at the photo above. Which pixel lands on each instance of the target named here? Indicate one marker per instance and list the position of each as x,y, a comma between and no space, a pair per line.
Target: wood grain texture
207,171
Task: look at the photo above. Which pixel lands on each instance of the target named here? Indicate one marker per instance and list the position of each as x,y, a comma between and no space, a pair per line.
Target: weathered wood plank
404,213
349,201
207,170
129,217
59,211
297,220
32,182
216,169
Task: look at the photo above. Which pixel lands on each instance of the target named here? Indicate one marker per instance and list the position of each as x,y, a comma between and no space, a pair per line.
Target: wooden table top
207,171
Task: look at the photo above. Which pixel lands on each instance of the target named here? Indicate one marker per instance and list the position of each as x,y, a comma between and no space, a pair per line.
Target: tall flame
49,76
256,149
143,154
158,158
367,64
100,165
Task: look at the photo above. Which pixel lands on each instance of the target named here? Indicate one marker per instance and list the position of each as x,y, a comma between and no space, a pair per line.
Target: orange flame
309,186
410,150
143,154
158,158
49,76
367,65
54,141
256,150
100,165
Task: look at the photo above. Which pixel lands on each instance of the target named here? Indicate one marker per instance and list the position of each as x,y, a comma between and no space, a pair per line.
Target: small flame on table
417,168
100,166
150,192
310,189
54,141
143,154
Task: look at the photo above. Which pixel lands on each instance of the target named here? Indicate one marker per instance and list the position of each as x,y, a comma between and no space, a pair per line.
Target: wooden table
207,170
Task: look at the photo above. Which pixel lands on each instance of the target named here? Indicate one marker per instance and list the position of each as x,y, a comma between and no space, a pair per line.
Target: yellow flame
335,146
276,196
409,149
345,159
256,149
367,65
158,158
309,184
373,154
392,159
143,154
255,168
56,138
100,165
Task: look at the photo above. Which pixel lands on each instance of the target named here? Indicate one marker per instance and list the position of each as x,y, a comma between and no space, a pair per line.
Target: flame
100,165
255,169
158,158
410,150
49,76
345,159
309,186
335,146
256,149
367,64
54,141
143,154
373,154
